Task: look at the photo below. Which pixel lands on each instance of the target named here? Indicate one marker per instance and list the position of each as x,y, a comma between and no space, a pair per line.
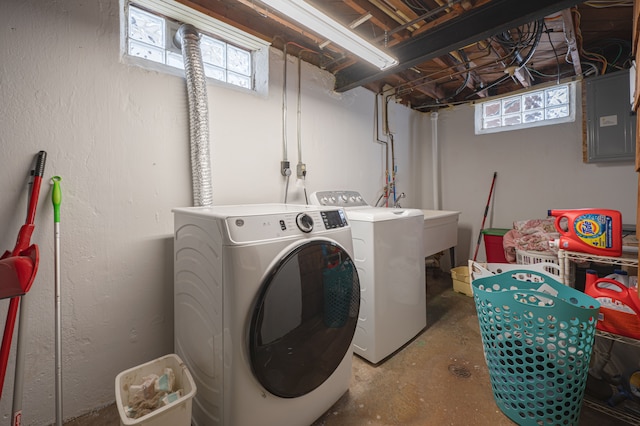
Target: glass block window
550,105
149,37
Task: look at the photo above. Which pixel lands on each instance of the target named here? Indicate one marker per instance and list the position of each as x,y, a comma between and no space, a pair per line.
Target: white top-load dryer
389,257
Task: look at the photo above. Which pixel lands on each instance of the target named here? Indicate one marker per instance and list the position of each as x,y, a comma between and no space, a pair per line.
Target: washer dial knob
304,222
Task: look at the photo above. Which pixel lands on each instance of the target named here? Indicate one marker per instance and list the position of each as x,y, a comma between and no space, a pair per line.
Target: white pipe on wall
285,168
435,159
284,110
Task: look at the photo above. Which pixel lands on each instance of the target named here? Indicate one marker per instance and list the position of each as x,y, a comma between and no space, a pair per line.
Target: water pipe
385,143
435,159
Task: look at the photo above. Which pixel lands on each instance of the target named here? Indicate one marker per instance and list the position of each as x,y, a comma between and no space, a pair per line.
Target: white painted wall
118,137
538,169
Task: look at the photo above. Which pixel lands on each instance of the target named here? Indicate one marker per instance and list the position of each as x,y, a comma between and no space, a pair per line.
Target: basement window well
539,107
230,57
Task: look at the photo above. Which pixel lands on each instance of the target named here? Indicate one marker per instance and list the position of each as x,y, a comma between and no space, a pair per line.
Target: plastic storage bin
538,338
481,270
493,244
178,413
461,280
528,257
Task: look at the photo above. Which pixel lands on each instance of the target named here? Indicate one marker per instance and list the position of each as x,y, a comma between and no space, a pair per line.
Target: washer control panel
265,227
338,198
334,218
304,222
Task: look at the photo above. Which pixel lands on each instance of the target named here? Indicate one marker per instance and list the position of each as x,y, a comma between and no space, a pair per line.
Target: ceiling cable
466,79
554,50
420,18
426,79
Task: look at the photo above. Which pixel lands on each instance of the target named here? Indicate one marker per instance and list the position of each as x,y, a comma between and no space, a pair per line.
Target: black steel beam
472,26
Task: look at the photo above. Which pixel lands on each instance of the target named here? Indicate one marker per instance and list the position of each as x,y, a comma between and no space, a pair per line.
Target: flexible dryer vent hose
188,39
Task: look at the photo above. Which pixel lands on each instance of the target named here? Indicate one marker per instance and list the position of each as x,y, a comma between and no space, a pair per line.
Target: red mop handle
6,338
38,172
24,235
22,243
484,218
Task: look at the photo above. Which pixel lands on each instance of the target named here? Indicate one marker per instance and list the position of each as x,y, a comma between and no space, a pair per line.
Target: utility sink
440,230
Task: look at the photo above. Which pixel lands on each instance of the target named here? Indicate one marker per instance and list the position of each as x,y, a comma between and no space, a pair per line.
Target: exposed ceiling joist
379,19
451,51
475,25
570,36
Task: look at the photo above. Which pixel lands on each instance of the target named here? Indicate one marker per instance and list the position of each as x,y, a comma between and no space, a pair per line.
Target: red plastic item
18,272
619,306
595,231
18,268
494,245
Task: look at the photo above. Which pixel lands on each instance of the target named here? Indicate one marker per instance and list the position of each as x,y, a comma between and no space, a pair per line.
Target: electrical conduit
301,168
285,168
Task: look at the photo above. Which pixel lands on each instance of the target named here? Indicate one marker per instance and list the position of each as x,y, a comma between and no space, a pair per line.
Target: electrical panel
611,124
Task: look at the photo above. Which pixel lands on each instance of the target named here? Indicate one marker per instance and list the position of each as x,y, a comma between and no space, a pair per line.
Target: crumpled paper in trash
154,392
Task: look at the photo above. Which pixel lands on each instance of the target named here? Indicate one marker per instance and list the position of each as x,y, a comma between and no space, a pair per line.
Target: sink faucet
397,203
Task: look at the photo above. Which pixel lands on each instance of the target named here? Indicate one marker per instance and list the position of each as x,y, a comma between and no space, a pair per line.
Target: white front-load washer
265,309
389,256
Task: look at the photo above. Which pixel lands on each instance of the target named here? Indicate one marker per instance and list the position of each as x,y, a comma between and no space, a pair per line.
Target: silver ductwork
187,39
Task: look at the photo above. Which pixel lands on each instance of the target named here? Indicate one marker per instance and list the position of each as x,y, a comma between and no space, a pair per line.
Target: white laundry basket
550,261
178,413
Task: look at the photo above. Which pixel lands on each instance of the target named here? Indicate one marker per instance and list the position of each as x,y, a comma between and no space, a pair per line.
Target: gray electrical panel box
611,125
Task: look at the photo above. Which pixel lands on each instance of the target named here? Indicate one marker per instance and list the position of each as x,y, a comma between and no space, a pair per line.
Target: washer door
304,319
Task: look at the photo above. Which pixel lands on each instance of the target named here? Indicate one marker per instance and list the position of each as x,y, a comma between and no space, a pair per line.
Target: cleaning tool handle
7,336
56,198
40,162
36,174
35,187
24,234
484,218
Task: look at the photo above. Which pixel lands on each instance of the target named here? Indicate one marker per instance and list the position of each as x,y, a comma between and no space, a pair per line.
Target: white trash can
177,413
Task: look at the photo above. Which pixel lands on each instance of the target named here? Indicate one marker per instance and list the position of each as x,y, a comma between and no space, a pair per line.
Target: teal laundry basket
537,336
337,283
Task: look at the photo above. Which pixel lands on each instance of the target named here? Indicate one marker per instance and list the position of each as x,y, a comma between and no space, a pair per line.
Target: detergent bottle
619,275
595,231
619,306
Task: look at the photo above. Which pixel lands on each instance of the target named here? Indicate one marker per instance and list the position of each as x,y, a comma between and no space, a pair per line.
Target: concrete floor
439,378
